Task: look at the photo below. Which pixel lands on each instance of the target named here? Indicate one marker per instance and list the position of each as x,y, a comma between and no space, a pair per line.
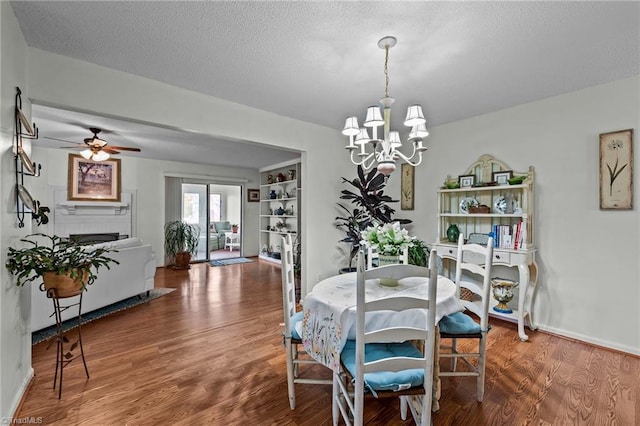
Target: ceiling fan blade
110,150
79,147
60,140
124,148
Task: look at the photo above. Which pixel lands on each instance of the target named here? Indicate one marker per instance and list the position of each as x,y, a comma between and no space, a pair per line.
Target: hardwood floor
210,353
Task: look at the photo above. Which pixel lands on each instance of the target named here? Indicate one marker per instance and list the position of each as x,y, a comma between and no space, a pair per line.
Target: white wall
589,285
15,336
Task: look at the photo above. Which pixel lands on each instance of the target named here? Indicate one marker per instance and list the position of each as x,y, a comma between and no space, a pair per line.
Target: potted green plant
418,253
181,242
371,206
58,262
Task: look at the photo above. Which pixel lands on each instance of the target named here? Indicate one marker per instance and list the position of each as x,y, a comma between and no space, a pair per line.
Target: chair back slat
395,334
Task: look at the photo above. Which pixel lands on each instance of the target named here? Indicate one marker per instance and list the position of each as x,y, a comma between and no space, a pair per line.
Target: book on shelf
512,237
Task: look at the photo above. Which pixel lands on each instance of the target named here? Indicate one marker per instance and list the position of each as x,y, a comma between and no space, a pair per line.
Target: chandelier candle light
384,152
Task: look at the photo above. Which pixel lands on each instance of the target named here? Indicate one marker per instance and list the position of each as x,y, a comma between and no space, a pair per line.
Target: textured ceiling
319,61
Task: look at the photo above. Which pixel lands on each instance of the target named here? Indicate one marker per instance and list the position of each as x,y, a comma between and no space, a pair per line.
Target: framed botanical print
90,180
616,170
407,183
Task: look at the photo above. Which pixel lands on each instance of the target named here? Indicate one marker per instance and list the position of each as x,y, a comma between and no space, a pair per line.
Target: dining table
329,313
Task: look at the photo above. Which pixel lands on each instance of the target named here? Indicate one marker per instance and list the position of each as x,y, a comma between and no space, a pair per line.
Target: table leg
524,286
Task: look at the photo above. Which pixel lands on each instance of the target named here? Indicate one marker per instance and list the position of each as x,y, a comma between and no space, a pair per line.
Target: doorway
217,210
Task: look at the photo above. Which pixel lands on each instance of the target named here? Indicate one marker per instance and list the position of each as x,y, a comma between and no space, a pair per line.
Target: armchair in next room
216,234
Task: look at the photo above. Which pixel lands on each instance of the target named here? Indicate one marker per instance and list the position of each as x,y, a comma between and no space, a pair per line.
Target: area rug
233,261
47,333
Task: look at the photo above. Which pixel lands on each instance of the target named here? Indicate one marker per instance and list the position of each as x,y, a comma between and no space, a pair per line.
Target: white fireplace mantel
92,208
92,217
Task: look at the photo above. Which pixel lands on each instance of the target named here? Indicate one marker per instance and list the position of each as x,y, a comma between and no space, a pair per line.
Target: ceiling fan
97,149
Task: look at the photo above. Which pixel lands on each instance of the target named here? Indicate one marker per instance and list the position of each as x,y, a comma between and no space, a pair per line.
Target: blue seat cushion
295,318
384,380
458,323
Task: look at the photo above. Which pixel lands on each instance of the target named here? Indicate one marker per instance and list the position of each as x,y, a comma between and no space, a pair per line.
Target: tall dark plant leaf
370,205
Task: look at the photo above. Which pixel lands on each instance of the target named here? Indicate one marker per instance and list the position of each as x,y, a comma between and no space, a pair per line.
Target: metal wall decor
25,167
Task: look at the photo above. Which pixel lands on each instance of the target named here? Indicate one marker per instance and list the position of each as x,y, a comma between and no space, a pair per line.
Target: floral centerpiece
388,239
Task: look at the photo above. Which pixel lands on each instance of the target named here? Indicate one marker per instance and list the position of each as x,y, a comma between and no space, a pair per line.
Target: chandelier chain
386,71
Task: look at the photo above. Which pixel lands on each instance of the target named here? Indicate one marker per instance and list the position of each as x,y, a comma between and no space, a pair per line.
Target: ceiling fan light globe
86,154
100,156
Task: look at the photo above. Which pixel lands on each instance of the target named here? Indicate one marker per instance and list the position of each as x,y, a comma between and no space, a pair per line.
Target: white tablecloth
330,313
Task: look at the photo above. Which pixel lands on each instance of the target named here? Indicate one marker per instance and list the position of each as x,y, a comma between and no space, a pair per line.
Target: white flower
387,239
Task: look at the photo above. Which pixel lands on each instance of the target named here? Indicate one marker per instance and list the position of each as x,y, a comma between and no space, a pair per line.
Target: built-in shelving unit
279,208
510,211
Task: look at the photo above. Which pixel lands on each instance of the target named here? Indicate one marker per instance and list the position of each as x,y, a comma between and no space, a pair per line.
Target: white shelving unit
280,215
521,198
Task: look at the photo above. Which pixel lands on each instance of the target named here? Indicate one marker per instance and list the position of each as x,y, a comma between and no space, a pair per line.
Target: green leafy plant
44,253
181,237
388,239
418,253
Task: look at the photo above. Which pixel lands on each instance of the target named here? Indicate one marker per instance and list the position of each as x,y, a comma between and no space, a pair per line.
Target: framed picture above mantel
93,180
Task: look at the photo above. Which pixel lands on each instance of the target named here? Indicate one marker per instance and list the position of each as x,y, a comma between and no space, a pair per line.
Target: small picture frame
253,195
466,181
502,178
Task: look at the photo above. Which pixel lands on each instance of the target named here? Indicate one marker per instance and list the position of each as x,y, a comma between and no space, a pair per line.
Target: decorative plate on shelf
500,205
467,202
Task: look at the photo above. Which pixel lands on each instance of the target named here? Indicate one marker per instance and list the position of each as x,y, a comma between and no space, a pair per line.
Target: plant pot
385,259
183,260
62,285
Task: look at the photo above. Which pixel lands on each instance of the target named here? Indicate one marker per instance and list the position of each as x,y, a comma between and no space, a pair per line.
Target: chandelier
367,152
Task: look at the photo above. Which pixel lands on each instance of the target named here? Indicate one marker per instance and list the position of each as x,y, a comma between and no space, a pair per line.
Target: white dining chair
386,362
475,261
296,354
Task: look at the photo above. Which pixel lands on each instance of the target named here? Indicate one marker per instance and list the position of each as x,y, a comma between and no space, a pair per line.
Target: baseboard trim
21,395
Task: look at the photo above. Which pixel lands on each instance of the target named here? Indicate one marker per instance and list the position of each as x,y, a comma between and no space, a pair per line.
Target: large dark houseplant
181,242
55,260
369,205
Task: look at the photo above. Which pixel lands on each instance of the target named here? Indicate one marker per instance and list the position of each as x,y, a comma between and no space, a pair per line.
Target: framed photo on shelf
407,182
616,170
466,181
253,195
502,178
90,180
